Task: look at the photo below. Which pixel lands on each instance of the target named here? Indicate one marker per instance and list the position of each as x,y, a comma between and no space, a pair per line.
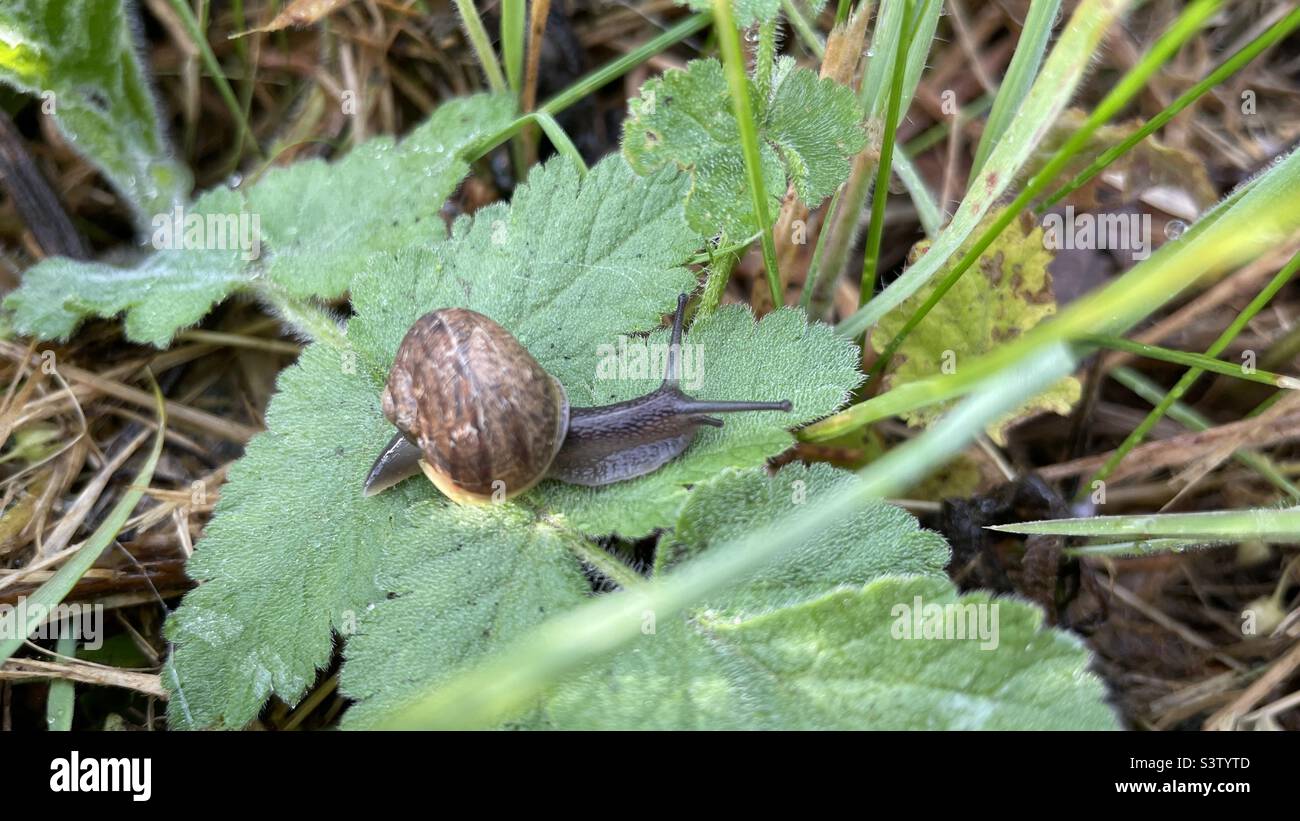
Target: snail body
481,417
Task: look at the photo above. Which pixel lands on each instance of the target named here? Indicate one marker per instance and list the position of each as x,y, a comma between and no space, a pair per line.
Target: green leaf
295,552
455,591
818,641
82,52
310,227
1010,293
809,129
876,540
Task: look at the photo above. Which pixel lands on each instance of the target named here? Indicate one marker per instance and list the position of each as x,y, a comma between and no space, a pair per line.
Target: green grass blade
1198,362
478,38
885,168
733,60
617,68
1188,379
1050,94
1188,417
1268,525
60,702
512,42
1128,87
1140,547
1025,62
200,40
1257,217
927,210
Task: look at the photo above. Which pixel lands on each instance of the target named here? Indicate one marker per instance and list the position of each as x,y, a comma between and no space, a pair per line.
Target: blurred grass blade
478,38
513,678
927,210
1141,547
512,43
1050,94
1025,62
1269,525
54,589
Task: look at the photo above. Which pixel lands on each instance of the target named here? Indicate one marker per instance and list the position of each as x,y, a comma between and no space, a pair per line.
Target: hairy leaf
300,231
807,646
80,58
834,663
1005,294
808,128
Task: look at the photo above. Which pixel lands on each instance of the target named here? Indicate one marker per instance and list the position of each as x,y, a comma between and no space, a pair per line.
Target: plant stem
478,38
734,63
884,169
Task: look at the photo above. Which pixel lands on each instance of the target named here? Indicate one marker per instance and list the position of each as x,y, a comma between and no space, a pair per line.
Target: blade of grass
733,60
1269,525
512,43
1025,62
617,68
1198,362
510,680
927,210
54,589
1188,379
478,38
804,29
885,168
1064,68
1133,82
1140,547
1229,67
62,698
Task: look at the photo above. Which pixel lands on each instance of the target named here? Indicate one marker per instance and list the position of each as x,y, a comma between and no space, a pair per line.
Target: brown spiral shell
478,405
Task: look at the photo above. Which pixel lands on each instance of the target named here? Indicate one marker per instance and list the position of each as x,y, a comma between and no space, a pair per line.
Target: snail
479,415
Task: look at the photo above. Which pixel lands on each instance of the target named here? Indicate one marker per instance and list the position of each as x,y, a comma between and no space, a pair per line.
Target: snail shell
484,413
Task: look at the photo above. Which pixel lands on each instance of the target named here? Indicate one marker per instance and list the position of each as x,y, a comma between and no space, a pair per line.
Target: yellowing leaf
1008,292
